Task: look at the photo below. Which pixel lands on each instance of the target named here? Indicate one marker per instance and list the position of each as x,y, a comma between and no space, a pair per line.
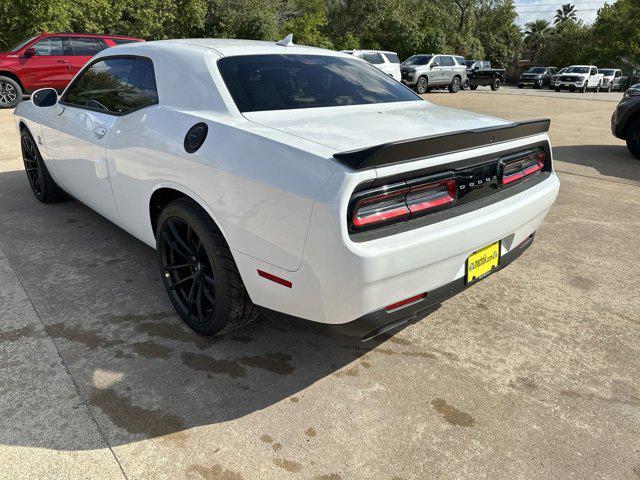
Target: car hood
360,126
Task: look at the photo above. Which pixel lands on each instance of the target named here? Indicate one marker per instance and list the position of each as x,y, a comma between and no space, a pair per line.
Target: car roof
98,35
231,47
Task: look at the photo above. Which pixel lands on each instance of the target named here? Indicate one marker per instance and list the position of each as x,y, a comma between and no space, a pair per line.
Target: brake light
402,201
513,171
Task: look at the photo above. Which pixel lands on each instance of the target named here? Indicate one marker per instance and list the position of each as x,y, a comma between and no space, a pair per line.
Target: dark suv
625,122
537,77
48,60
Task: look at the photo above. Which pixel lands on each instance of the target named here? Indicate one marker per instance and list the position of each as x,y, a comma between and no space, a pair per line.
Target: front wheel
495,85
609,87
598,87
474,87
42,185
10,92
633,138
454,86
585,87
421,85
198,271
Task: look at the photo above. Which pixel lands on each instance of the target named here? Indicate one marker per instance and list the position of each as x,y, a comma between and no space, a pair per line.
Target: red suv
48,60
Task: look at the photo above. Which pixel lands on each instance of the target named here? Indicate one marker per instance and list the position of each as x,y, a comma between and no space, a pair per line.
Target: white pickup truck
580,77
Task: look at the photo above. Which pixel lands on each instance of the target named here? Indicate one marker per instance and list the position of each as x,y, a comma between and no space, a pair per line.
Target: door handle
62,60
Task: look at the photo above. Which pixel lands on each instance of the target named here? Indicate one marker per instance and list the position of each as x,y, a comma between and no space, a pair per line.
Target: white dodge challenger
289,179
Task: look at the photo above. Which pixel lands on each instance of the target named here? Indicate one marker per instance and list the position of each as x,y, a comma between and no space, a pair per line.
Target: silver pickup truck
426,72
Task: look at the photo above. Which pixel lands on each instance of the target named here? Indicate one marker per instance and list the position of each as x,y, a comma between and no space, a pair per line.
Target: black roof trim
412,149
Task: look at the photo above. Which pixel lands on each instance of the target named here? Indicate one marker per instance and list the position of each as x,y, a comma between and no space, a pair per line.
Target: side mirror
30,52
45,97
435,64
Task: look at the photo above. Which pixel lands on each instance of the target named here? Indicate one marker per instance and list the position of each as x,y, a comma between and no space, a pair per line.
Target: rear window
392,57
284,82
86,46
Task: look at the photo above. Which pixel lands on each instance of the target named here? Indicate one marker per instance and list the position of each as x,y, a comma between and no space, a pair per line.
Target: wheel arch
635,115
13,76
165,193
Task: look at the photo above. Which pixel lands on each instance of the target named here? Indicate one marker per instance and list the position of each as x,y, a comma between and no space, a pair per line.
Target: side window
486,65
122,41
115,85
618,74
446,61
86,46
49,46
437,61
372,57
594,71
392,57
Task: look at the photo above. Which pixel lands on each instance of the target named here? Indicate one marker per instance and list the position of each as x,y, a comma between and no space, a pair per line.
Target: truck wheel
598,87
454,86
520,85
40,181
473,87
495,85
585,87
557,89
466,85
609,87
198,271
633,138
10,92
421,85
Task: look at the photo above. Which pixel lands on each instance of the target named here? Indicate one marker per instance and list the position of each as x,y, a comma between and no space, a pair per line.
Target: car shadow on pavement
141,371
608,160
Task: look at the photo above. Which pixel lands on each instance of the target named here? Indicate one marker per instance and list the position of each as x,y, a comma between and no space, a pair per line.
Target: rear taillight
514,170
401,201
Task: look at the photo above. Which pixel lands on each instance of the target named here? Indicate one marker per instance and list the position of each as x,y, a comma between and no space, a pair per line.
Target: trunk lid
355,127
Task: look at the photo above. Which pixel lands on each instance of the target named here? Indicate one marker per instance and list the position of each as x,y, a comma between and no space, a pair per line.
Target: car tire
633,138
598,87
520,85
609,87
473,87
454,86
495,85
422,85
10,92
466,85
198,271
44,188
557,89
585,87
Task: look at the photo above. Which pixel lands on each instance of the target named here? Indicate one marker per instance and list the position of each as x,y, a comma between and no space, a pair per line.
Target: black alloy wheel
495,85
422,85
454,87
10,92
42,185
198,271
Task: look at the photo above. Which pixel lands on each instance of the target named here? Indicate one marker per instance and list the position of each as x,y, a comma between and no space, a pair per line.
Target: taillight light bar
401,201
515,170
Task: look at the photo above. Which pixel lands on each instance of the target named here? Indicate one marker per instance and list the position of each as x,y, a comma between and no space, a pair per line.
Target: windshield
577,70
21,44
470,63
283,82
607,72
418,60
536,70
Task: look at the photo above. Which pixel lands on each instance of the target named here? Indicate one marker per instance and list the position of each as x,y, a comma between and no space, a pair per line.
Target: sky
529,10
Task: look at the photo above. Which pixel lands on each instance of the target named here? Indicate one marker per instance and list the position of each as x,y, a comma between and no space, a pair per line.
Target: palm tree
566,13
535,32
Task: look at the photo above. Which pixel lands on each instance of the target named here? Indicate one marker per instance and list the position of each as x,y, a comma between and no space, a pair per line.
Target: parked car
426,72
580,77
48,60
555,78
612,79
480,73
537,77
388,62
291,178
625,122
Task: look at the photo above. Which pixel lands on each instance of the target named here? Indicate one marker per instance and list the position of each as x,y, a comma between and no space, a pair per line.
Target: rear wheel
520,85
473,87
421,85
198,271
496,84
10,92
633,138
454,86
609,87
40,181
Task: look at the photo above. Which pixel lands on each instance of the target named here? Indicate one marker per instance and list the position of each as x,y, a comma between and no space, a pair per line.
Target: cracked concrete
533,373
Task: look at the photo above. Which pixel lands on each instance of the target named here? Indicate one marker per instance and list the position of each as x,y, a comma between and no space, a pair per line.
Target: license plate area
482,262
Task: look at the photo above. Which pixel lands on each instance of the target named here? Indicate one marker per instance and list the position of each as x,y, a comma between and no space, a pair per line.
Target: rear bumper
375,323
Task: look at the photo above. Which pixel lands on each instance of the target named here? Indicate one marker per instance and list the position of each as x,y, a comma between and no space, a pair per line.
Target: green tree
536,35
567,13
615,36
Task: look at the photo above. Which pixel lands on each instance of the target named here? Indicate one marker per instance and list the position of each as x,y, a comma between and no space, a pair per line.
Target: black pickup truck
480,73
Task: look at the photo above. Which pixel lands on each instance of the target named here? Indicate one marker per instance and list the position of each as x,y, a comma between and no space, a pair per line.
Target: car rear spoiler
407,150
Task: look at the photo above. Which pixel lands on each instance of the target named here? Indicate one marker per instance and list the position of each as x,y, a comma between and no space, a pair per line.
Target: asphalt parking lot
533,373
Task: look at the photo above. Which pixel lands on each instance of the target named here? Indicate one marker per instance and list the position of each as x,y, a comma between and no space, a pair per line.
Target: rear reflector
404,303
275,279
523,167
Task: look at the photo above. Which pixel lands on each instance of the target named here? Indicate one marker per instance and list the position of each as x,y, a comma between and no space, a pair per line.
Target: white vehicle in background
581,78
388,62
294,179
612,79
555,79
